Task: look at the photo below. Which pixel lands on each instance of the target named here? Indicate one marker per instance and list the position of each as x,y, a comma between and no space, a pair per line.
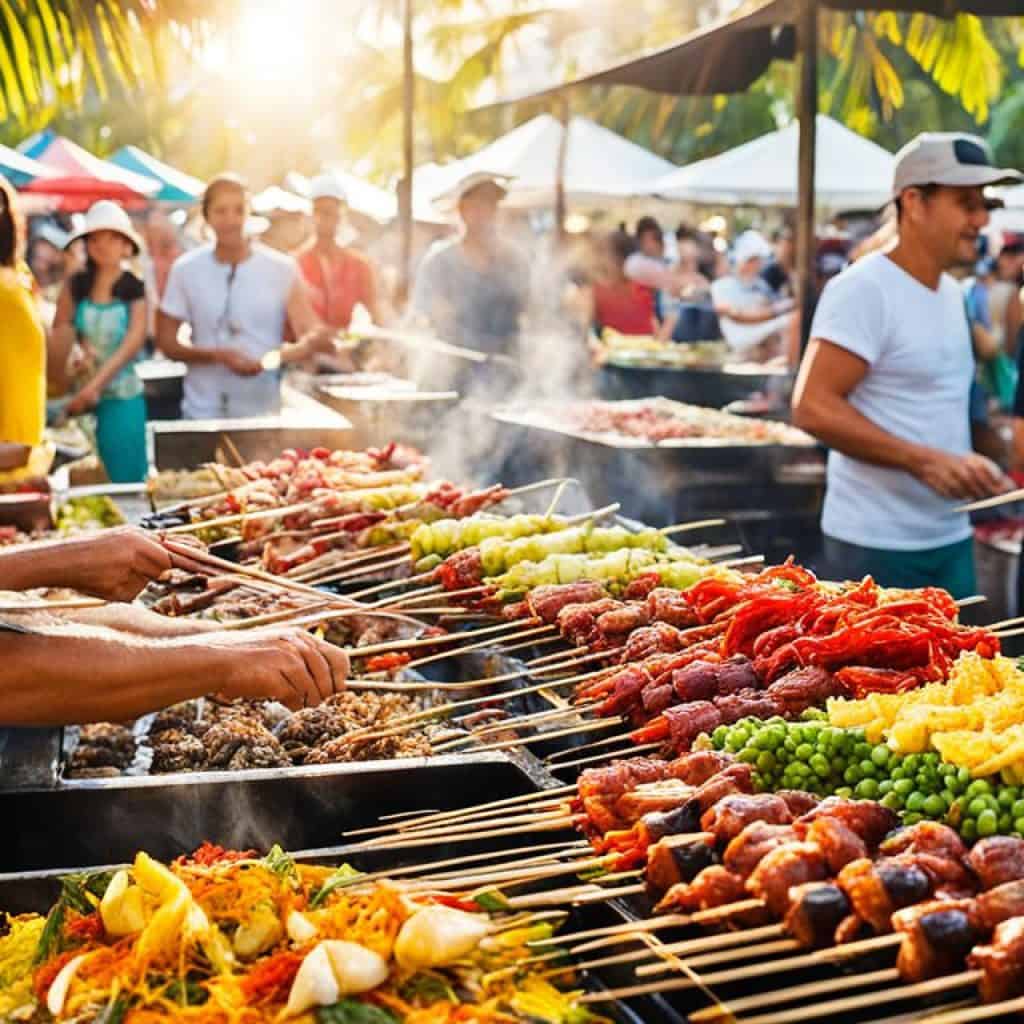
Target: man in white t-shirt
886,379
237,296
753,320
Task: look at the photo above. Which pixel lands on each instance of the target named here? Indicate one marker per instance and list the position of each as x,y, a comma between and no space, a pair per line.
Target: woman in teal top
106,306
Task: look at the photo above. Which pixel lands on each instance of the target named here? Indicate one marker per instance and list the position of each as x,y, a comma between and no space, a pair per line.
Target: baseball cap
948,158
466,184
328,186
750,245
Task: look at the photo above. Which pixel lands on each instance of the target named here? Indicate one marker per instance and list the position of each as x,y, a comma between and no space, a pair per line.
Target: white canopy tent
851,172
598,165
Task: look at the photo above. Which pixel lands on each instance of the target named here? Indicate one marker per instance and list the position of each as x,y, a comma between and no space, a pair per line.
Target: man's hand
238,362
14,456
114,564
962,477
286,665
87,398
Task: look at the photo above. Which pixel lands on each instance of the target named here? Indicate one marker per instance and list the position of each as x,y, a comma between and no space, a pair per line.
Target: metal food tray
546,417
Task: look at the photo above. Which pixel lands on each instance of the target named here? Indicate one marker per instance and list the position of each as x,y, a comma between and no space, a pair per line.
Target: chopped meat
870,820
803,688
876,889
696,681
735,675
816,909
696,767
242,743
687,721
745,704
177,716
736,778
997,860
713,887
783,868
656,699
839,844
600,788
744,853
665,605
652,798
547,601
937,935
177,751
622,620
673,860
1002,962
925,837
731,815
658,638
798,802
578,622
993,906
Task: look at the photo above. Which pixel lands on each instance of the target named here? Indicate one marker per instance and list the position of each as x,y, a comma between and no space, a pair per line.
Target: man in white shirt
886,379
753,320
237,296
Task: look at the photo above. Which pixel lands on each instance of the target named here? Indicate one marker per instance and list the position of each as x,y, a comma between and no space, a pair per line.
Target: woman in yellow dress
22,337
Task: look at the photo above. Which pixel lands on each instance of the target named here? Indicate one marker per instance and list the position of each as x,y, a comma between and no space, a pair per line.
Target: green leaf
338,879
351,1011
21,52
114,1012
279,862
491,900
75,894
430,987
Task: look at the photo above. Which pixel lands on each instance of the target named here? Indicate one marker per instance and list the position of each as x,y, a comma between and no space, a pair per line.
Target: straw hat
106,215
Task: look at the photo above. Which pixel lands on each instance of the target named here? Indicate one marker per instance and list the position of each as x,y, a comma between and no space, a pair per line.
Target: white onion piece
58,992
438,935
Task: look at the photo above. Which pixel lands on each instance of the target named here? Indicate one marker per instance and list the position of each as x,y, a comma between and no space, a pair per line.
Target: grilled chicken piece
731,815
877,889
925,837
816,909
783,868
937,935
675,860
839,844
997,860
870,820
994,906
744,853
715,886
1002,961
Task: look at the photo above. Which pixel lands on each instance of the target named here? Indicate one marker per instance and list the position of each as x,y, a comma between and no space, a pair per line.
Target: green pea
880,755
1018,824
804,752
934,806
862,750
766,761
979,787
1007,797
915,802
749,754
852,775
885,786
911,764
963,777
912,818
988,823
1018,808
845,792
1005,822
821,765
866,789
904,787
976,807
969,830
893,801
868,769
718,737
897,773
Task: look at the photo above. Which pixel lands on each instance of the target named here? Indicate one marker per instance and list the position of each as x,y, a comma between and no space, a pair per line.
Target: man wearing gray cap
886,379
473,289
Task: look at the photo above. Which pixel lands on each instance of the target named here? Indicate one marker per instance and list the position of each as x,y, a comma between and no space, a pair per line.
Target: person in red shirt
619,303
338,278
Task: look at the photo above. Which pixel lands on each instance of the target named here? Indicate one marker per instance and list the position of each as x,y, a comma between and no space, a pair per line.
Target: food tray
549,417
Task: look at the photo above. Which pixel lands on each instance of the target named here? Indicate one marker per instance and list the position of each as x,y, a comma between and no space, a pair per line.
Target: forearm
297,351
837,424
748,316
114,365
128,618
167,342
42,564
63,677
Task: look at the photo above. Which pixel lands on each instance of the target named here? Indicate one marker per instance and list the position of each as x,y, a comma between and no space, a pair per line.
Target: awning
80,178
176,186
851,172
19,169
730,55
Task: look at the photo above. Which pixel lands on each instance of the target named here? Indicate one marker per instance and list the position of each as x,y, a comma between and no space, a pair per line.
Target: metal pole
405,186
563,150
807,110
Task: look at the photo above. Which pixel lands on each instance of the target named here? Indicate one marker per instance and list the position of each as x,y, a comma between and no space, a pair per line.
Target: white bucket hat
450,198
106,215
328,186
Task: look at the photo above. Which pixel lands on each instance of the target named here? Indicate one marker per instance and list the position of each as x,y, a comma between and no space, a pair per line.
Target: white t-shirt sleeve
851,314
175,300
646,270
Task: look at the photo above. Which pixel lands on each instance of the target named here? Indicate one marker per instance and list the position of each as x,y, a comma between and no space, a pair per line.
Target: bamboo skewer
471,811
465,829
795,993
630,751
364,570
972,1013
519,635
526,644
508,876
428,641
554,734
517,722
705,960
738,563
810,959
544,659
706,942
578,896
308,572
891,994
1006,498
739,973
966,602
699,524
69,604
559,754
240,517
403,842
379,588
358,682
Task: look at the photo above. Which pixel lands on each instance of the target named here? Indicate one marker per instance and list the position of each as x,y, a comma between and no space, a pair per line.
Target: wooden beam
807,110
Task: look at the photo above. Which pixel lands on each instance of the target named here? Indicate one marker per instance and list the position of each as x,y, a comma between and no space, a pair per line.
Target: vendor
118,662
22,337
753,320
338,278
473,290
237,296
618,303
886,380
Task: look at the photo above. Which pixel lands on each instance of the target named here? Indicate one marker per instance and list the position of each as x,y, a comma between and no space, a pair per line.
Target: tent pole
405,185
563,150
807,110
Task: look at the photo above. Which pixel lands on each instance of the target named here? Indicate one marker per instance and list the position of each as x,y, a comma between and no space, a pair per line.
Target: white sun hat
328,186
106,215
